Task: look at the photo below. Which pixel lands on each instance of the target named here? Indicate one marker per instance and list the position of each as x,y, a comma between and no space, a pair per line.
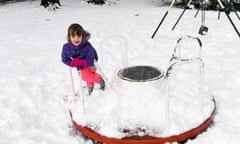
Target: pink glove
76,62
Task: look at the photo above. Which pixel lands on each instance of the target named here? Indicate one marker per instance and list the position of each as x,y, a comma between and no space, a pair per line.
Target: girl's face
76,40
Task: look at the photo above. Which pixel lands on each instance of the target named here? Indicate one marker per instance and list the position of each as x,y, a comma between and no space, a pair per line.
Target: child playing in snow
79,53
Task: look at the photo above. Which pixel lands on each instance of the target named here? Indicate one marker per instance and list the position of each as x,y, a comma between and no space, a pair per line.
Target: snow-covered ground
34,80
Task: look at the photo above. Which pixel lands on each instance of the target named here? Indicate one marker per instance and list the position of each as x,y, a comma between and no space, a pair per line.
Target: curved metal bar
124,49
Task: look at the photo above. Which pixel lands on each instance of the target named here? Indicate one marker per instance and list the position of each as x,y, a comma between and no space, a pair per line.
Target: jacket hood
88,35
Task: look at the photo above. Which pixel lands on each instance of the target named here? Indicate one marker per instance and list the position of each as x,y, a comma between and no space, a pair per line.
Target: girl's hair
76,30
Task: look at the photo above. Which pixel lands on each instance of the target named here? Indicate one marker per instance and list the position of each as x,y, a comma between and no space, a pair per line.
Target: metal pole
179,19
81,85
165,15
201,83
229,18
159,24
237,14
82,100
167,109
219,14
101,73
72,83
197,13
189,2
124,49
73,90
235,28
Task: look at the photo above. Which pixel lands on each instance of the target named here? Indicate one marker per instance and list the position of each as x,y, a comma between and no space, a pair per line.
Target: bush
97,2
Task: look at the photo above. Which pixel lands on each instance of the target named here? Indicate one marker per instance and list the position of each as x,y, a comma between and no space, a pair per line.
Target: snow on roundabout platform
145,105
146,139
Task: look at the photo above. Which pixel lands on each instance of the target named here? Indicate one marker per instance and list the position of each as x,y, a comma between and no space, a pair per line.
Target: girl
79,53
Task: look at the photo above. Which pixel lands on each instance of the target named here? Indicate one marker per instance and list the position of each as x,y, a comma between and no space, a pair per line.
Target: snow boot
102,84
90,90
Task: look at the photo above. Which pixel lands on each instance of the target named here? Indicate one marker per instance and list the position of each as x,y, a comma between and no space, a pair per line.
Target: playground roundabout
147,105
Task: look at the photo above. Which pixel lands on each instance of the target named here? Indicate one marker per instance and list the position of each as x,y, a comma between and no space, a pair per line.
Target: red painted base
146,139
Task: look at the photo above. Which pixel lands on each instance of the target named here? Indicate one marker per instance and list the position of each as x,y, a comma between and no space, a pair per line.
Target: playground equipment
226,7
139,80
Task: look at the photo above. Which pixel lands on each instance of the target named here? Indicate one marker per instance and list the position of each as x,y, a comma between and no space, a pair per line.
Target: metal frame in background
224,8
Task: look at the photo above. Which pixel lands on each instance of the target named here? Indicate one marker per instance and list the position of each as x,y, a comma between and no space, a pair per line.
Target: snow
34,80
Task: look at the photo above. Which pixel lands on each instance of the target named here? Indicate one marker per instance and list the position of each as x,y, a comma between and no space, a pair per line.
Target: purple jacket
84,51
